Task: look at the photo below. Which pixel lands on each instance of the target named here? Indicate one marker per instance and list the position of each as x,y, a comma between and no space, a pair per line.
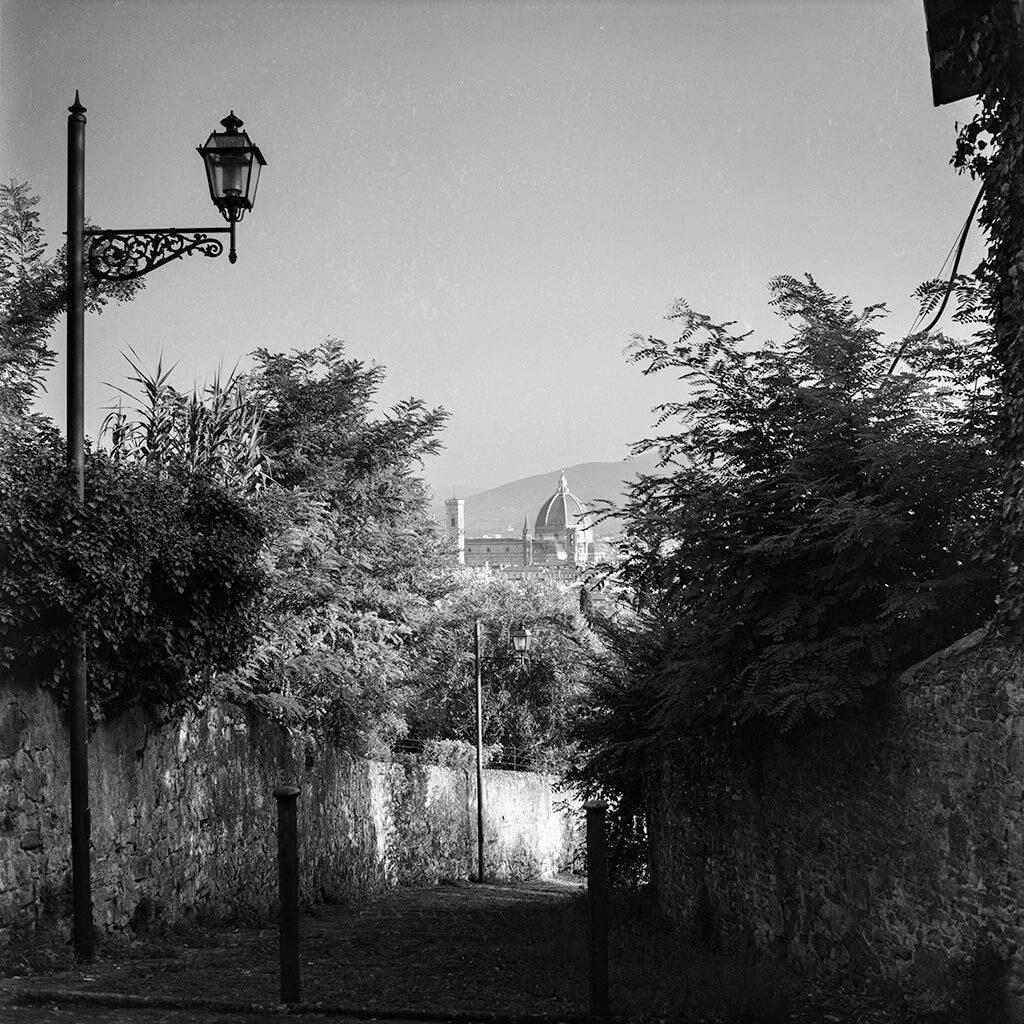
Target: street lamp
479,754
233,167
521,642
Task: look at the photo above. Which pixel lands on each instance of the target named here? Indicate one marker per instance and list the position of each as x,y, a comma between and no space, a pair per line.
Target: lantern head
233,167
521,640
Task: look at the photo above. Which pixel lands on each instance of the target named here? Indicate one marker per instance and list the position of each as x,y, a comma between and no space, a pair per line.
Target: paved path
73,1014
496,948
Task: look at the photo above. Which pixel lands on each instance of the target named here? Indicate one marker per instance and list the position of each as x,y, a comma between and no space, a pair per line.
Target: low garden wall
184,821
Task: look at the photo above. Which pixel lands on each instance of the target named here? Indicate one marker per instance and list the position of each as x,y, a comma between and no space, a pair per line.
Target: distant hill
502,509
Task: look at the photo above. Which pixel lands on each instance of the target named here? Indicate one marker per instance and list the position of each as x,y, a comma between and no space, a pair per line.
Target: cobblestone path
496,948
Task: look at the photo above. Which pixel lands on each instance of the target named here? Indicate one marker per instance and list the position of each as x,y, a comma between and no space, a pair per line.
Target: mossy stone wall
184,821
889,855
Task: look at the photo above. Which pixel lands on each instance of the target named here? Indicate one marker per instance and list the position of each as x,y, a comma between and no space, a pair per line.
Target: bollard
597,902
288,877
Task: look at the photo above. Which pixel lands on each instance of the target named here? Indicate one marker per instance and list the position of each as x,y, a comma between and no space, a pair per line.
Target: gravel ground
452,949
443,949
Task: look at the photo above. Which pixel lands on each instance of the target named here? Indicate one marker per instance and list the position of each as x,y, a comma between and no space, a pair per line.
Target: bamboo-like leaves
215,432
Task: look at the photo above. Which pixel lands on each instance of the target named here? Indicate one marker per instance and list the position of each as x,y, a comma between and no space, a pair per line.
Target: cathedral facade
562,535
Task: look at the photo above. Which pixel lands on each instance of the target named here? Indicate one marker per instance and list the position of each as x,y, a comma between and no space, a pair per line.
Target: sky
489,197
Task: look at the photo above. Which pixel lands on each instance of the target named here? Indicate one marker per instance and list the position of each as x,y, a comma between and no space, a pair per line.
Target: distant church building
562,535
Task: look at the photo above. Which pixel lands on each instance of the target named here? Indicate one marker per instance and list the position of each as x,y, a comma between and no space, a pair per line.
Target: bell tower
455,525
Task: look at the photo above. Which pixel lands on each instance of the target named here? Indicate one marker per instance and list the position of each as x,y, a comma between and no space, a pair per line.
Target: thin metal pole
479,760
288,882
597,900
78,700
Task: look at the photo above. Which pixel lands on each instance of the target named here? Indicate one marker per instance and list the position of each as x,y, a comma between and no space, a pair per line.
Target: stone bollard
288,880
597,902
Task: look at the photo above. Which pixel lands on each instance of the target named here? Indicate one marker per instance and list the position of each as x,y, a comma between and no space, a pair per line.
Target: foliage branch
819,522
528,703
824,515
161,570
33,296
353,556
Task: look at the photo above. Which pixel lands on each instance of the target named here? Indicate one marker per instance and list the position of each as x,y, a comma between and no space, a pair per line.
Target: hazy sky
490,197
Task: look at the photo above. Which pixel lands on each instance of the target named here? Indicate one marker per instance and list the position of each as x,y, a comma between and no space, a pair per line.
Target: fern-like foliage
820,521
33,296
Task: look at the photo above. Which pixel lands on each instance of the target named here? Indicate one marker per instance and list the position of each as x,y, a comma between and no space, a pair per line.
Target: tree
32,298
823,522
822,518
527,706
160,569
354,553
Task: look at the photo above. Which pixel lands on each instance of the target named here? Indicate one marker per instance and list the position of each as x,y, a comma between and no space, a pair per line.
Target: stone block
15,796
9,878
10,912
930,971
31,840
35,782
13,722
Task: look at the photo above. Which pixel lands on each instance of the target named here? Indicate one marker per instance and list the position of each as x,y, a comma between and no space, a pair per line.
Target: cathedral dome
563,509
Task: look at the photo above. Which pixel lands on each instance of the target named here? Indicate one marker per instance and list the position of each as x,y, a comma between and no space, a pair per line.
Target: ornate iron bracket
120,255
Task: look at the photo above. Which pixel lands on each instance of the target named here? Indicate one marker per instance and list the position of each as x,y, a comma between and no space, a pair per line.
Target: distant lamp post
521,642
478,663
233,167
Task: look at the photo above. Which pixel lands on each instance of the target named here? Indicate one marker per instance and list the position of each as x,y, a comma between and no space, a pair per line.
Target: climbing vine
990,147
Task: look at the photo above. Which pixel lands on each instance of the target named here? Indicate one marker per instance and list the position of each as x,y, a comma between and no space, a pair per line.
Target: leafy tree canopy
527,705
826,513
160,569
354,554
33,296
823,521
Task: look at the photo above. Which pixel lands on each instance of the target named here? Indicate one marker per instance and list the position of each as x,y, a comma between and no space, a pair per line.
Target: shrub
160,570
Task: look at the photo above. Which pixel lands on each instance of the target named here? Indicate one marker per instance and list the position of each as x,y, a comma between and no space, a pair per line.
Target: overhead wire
959,246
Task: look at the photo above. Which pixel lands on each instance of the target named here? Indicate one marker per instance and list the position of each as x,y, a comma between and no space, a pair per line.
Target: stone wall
892,856
184,822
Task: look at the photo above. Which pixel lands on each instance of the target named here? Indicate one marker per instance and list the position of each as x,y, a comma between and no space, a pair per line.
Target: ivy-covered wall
184,821
893,857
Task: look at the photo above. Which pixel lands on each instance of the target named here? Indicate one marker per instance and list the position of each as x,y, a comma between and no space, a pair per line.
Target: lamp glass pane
233,166
227,159
255,164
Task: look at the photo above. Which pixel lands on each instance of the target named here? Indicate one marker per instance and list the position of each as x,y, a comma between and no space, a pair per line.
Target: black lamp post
479,754
521,644
233,167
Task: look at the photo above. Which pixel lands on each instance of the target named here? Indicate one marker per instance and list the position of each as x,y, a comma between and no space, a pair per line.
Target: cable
949,286
940,274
